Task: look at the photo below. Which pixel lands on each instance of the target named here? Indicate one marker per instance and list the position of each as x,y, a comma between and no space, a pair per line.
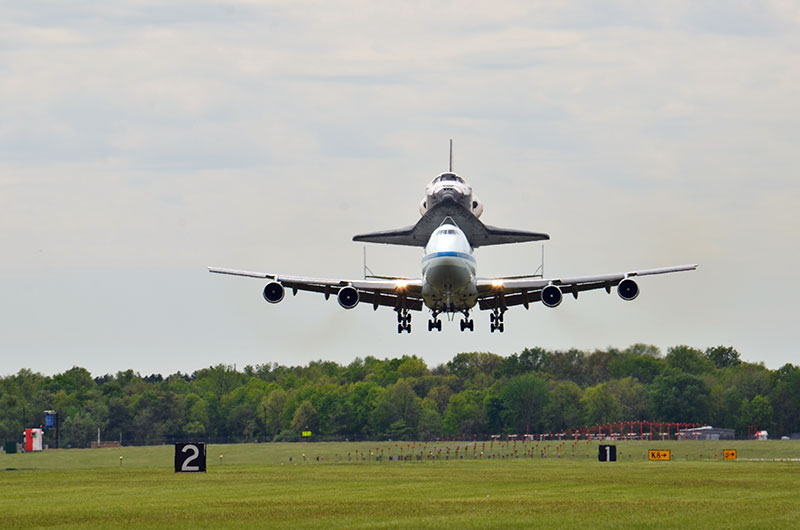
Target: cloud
151,138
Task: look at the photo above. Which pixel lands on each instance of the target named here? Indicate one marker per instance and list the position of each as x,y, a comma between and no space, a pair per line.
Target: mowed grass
256,485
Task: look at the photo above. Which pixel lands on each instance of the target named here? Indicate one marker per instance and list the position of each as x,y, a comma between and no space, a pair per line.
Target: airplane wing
478,234
396,293
501,294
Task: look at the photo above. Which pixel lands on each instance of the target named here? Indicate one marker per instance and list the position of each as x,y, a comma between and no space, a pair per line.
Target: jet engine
551,296
628,289
348,297
273,292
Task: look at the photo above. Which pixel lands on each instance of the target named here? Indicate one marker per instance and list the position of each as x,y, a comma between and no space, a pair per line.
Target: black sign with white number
607,453
190,458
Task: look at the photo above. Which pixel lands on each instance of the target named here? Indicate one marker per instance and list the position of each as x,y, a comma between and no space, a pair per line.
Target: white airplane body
450,188
449,230
449,284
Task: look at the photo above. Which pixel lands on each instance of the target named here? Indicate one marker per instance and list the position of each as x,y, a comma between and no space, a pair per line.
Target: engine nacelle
628,289
348,297
273,292
551,296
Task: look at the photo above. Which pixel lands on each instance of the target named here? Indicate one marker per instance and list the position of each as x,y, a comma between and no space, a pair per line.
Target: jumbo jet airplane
449,285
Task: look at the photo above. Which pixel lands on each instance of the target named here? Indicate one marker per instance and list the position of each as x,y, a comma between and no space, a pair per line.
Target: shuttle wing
499,293
399,292
478,234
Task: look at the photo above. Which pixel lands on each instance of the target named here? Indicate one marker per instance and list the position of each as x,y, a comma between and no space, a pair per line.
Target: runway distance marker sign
729,454
607,453
190,457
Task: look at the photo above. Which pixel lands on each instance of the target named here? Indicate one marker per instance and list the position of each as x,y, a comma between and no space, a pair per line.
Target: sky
143,141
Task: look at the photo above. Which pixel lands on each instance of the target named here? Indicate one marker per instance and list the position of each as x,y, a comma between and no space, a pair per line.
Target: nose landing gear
434,323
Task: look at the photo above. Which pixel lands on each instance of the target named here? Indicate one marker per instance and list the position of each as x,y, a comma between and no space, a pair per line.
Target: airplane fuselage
448,271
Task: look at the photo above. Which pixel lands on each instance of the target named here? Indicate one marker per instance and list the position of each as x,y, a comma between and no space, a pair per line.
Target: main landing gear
467,323
403,320
497,320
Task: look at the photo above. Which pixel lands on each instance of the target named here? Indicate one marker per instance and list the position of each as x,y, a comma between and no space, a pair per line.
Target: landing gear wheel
403,320
497,320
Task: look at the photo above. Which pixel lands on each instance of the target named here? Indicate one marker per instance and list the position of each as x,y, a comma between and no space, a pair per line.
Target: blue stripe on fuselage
450,254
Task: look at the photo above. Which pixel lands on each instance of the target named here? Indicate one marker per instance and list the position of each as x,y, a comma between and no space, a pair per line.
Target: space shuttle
450,196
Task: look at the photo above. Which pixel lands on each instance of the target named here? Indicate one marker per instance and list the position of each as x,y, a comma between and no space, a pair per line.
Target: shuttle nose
447,196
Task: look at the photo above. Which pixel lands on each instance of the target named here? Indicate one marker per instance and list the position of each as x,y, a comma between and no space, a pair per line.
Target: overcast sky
142,141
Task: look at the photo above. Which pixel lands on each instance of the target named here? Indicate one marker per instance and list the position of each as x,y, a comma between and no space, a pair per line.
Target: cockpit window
448,177
449,231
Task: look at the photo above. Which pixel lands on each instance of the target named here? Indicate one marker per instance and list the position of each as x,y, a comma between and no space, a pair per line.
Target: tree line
474,394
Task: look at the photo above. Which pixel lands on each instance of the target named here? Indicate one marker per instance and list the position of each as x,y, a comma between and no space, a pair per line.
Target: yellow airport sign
729,454
655,454
306,434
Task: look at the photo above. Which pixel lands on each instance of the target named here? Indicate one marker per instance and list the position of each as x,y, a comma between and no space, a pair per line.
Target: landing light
497,283
401,284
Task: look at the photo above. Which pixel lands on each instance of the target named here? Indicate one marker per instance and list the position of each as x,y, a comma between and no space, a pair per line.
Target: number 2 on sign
186,466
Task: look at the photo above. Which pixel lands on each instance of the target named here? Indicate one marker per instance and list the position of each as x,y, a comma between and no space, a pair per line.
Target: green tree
756,412
412,367
524,398
78,431
687,360
430,421
440,395
468,366
305,418
273,411
597,366
564,409
643,367
465,413
786,399
601,405
723,356
633,398
680,397
566,366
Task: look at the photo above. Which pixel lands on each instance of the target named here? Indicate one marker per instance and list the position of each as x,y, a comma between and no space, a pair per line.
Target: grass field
257,485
